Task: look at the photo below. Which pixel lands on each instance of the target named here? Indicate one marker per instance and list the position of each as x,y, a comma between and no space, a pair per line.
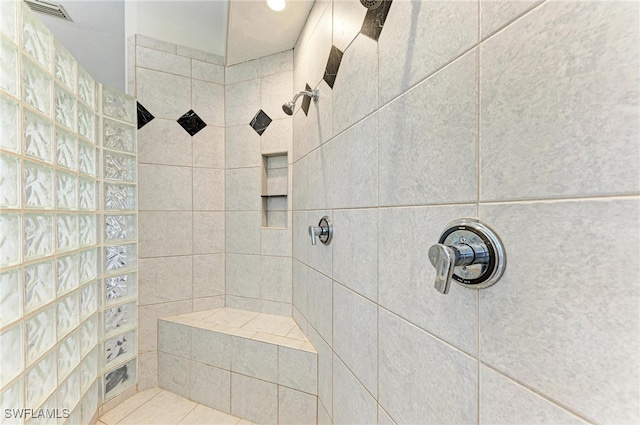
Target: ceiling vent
49,8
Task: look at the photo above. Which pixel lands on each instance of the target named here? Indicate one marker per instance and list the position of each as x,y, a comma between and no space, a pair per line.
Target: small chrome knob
323,231
468,252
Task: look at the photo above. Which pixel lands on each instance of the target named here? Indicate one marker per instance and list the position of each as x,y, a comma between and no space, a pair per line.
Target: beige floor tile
119,412
278,340
307,346
271,324
164,409
203,415
231,330
231,317
296,333
245,422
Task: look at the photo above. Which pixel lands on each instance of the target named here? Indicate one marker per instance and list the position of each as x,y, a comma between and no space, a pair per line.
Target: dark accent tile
144,116
260,122
306,101
191,122
374,20
333,64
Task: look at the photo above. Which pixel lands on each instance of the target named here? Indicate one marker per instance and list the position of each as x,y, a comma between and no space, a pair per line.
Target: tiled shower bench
257,366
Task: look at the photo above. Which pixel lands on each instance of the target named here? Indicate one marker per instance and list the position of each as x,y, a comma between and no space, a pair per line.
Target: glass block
119,318
120,288
86,87
38,136
10,239
119,227
88,370
119,167
36,38
8,67
36,87
9,123
9,181
66,191
12,397
118,105
119,258
47,406
64,107
67,232
118,136
39,285
41,333
64,66
41,380
68,354
89,300
69,392
68,273
119,348
87,158
86,122
12,354
10,296
119,197
66,149
88,265
8,19
88,229
89,335
68,314
90,404
119,379
38,186
87,194
38,230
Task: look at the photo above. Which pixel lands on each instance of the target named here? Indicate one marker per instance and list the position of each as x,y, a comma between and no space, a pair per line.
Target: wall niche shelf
275,186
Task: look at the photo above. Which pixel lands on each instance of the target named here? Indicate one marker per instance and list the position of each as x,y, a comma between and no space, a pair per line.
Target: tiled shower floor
160,407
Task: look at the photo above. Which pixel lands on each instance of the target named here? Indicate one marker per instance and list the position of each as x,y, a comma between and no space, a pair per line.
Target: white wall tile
164,187
538,327
418,129
243,278
296,408
276,277
587,143
275,90
352,404
319,256
242,101
254,358
244,189
300,286
254,399
164,233
355,335
419,388
496,14
524,407
320,180
174,374
174,339
243,145
243,232
320,304
211,386
406,275
244,71
148,322
274,64
278,242
355,166
211,348
164,141
164,95
348,17
298,369
164,279
162,61
209,147
147,370
278,137
208,189
208,275
355,94
413,44
208,102
355,250
207,71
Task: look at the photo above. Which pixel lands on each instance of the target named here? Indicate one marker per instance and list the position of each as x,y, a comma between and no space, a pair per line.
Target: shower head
290,106
371,4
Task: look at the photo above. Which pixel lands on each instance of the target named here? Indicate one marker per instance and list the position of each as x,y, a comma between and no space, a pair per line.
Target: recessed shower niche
274,190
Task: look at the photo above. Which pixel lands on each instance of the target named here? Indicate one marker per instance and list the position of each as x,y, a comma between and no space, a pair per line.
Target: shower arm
312,94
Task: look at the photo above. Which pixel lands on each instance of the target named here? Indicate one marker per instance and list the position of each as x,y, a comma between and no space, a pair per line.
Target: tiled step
257,366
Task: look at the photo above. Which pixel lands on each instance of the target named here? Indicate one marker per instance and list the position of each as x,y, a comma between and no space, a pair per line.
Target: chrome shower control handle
468,252
442,258
323,231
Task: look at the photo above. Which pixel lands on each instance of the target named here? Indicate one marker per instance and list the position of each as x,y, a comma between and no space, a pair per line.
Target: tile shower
69,230
522,113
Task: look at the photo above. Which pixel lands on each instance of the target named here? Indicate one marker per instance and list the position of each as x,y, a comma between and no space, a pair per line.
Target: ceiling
239,30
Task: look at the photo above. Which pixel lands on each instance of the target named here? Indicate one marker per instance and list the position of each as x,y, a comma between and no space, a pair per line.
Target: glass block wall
68,230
